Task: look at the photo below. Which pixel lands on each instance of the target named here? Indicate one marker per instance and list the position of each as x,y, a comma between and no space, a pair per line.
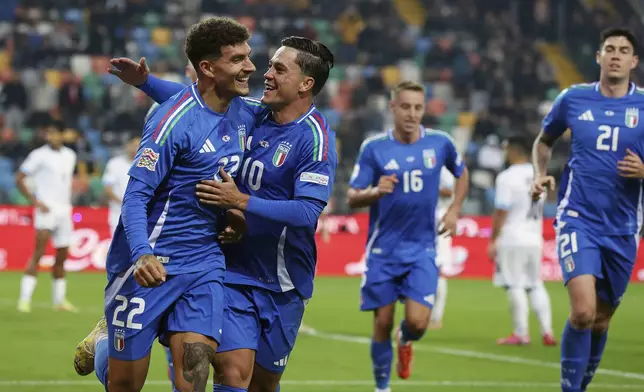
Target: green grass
39,346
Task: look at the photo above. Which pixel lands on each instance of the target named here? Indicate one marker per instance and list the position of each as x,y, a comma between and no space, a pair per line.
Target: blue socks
407,335
278,388
224,388
100,361
597,344
381,356
575,355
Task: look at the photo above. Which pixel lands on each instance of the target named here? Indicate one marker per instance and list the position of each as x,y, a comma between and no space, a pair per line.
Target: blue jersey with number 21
592,194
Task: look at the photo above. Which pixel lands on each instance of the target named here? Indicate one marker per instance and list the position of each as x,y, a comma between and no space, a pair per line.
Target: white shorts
59,222
444,251
518,267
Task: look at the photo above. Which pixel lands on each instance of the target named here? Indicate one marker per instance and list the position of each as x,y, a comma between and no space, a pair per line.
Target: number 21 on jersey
607,139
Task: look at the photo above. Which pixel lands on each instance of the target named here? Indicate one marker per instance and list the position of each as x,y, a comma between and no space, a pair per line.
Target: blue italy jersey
282,162
592,193
402,226
183,142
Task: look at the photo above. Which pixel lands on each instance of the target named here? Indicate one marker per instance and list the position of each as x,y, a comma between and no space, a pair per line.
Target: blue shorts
383,285
136,315
264,321
610,259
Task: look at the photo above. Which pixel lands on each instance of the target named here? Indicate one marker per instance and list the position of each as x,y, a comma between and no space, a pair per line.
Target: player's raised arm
138,75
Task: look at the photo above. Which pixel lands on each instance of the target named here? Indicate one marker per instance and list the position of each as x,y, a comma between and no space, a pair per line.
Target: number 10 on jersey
607,139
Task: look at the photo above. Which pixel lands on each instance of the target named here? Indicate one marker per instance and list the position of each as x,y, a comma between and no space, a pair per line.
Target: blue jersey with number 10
592,193
402,226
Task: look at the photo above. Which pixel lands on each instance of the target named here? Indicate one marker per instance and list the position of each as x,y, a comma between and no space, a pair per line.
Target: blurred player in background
600,199
115,179
443,248
165,271
51,171
397,174
517,244
285,182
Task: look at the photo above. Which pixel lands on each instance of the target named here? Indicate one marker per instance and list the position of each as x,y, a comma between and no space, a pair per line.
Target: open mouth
268,87
243,80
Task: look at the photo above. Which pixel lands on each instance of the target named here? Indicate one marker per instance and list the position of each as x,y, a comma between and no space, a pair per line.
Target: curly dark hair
206,38
313,57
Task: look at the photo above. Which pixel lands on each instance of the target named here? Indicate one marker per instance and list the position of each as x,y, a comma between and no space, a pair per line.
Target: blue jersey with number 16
592,194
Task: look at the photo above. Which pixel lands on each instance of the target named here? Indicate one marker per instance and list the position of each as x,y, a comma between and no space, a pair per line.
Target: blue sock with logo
381,356
575,354
100,360
407,335
597,345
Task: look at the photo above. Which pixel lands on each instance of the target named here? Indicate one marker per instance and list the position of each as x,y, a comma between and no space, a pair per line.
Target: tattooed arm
197,358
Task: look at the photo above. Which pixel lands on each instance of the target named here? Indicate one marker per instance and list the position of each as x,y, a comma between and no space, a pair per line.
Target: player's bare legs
264,381
28,283
192,354
576,339
381,350
411,329
234,368
127,376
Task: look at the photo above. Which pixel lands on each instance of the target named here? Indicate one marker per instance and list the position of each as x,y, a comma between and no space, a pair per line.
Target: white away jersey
52,172
116,177
524,224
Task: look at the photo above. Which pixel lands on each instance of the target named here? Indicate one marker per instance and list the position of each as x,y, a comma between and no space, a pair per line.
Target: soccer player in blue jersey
284,184
165,271
397,175
598,218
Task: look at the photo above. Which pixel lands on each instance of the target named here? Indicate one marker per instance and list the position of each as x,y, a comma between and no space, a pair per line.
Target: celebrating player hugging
598,218
397,174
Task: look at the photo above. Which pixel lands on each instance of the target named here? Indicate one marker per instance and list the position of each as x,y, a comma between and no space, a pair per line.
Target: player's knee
233,374
601,323
417,325
383,325
582,317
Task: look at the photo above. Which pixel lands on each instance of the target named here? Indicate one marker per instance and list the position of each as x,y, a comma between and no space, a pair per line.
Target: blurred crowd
479,61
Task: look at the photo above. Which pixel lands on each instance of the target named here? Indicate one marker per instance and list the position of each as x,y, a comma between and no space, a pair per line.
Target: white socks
519,310
540,301
441,298
27,286
59,291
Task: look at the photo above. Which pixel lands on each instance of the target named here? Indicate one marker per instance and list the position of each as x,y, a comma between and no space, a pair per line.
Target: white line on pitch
470,354
407,383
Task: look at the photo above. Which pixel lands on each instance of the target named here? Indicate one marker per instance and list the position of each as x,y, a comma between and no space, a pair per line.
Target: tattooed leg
197,358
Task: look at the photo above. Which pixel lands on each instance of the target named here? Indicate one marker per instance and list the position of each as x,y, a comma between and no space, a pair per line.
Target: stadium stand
491,68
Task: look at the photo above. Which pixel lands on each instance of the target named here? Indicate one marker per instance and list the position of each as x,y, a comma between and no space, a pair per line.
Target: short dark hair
206,38
57,125
521,142
313,57
619,32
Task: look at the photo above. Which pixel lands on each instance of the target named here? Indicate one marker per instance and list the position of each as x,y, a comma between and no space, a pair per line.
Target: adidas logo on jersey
587,116
392,165
207,147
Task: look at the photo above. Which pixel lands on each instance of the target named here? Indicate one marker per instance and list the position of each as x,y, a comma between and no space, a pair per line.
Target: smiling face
616,58
284,80
230,72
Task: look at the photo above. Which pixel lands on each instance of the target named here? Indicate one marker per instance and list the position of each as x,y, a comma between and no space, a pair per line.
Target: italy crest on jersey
119,340
241,131
632,117
280,154
429,158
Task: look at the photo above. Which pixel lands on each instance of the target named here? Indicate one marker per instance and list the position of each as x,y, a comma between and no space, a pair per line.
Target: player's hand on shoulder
41,207
386,184
129,71
149,272
540,185
631,166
